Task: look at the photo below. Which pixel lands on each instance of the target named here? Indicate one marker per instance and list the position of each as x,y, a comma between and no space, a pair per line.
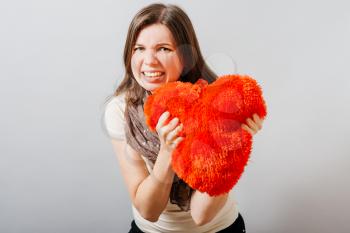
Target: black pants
237,226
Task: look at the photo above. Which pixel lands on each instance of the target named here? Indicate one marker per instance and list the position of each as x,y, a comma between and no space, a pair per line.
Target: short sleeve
114,117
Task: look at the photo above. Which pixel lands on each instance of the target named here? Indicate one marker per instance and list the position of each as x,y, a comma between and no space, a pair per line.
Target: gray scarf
147,143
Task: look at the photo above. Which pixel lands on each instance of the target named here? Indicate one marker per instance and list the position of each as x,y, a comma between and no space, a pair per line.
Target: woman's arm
204,207
152,194
148,192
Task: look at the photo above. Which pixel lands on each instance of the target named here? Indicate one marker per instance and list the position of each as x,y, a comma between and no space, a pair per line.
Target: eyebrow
156,44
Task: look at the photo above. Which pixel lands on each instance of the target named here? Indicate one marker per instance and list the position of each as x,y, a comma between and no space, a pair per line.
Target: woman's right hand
168,133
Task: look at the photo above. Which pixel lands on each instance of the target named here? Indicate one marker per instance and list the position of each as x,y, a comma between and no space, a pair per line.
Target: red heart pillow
215,150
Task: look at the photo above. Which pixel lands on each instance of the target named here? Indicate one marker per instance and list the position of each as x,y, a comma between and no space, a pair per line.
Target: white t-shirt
172,219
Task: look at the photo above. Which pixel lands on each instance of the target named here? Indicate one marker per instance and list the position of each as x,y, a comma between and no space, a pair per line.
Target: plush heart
215,149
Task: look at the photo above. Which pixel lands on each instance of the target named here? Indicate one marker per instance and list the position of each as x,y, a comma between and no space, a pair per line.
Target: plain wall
61,59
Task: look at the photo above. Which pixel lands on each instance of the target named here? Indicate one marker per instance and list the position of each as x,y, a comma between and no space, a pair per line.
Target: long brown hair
182,30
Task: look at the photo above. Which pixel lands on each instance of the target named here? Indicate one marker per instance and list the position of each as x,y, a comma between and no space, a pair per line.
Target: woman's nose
150,58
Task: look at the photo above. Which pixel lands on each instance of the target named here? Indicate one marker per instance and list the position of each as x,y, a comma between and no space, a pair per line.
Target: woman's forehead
155,34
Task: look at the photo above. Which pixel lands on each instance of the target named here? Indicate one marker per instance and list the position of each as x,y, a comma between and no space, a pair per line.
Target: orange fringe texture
215,150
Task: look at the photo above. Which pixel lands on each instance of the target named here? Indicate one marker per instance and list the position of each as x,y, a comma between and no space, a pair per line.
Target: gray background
61,59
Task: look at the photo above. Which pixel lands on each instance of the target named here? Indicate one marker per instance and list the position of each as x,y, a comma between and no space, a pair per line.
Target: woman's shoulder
114,116
116,100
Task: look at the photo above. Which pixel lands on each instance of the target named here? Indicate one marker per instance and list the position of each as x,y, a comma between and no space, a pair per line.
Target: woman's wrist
162,170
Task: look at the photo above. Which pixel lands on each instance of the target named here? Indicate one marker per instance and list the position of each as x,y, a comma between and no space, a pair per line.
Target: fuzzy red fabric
215,150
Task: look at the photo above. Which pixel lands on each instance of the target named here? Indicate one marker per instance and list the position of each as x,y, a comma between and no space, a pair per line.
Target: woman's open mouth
153,76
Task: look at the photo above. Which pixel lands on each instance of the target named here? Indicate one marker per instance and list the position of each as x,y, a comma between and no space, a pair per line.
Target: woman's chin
152,85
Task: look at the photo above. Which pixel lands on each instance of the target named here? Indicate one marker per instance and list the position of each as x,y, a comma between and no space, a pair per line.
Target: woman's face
155,60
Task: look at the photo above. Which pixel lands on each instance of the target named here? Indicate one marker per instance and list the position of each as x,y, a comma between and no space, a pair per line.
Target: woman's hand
168,133
253,125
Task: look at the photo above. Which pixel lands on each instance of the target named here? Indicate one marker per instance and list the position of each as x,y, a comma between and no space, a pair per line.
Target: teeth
152,74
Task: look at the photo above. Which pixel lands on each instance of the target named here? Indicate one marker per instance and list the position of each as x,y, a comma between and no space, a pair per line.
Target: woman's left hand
253,125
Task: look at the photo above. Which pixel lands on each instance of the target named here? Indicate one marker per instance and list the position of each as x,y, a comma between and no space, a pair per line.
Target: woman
161,47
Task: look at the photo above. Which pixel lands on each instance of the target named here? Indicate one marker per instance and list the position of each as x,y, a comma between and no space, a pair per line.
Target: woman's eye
138,49
164,49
